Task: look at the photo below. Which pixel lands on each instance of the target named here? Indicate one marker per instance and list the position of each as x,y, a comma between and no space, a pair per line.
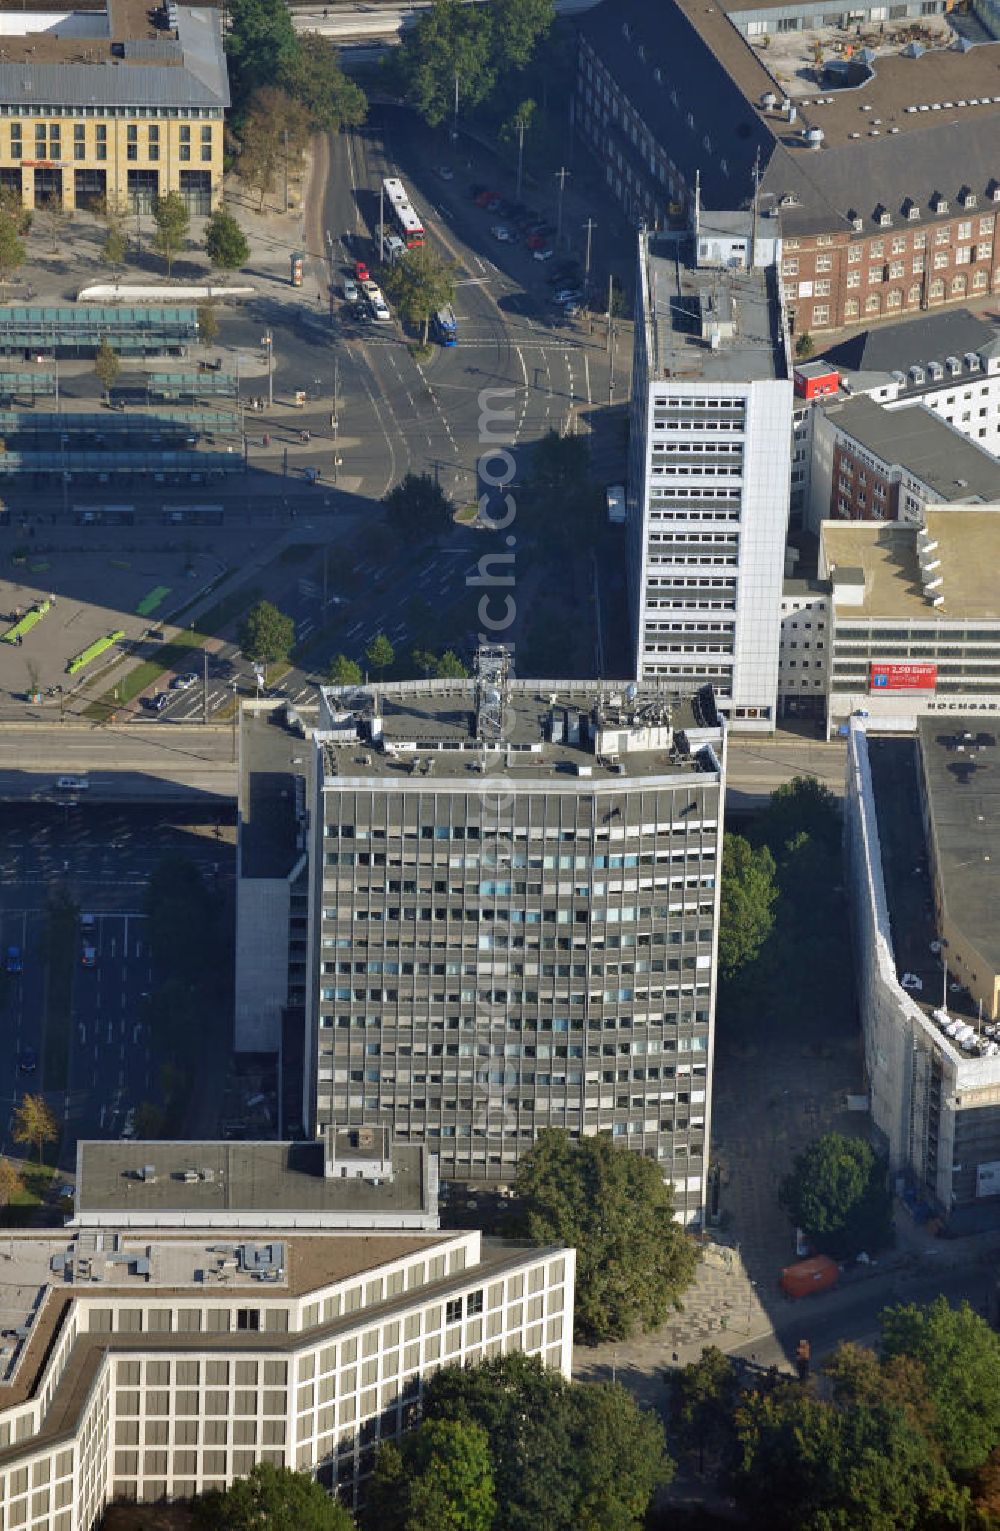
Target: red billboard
903,677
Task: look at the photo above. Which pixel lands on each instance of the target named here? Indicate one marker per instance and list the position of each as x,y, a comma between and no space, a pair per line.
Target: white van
72,784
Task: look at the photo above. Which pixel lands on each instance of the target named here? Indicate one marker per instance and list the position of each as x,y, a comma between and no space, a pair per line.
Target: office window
206,143
79,141
185,132
132,141
153,148
101,139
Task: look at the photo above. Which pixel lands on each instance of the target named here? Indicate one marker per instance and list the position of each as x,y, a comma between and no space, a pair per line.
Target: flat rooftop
118,55
553,731
688,305
238,1177
884,554
960,760
918,440
272,769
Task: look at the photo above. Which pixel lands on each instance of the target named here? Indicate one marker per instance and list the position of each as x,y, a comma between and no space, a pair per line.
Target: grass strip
149,603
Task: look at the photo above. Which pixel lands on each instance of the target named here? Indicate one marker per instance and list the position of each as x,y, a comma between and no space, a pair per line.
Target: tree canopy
271,1499
225,242
12,250
106,365
749,894
800,806
439,1478
380,653
315,79
261,45
172,221
703,1398
343,671
420,284
418,507
837,1192
486,47
563,1456
613,1207
835,1468
35,1123
266,634
960,1355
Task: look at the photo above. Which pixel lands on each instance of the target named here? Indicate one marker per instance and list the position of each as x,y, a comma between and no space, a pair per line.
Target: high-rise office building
513,909
709,472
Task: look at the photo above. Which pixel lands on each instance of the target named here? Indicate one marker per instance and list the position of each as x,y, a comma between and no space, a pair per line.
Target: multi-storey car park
113,103
216,1305
513,905
708,478
880,162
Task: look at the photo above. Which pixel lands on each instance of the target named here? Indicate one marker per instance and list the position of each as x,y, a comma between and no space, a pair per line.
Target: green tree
208,324
802,806
804,346
748,895
35,1123
106,366
261,45
259,155
172,221
518,26
619,1460
418,507
837,1193
266,635
440,1478
343,671
420,285
960,1355
274,1498
450,667
225,242
316,80
11,1182
565,1456
614,1208
114,247
450,40
380,654
703,1399
837,1469
12,251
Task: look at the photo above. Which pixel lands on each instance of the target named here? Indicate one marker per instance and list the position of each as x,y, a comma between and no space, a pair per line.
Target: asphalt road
102,856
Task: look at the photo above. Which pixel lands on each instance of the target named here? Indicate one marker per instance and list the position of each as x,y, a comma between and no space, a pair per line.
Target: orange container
817,1274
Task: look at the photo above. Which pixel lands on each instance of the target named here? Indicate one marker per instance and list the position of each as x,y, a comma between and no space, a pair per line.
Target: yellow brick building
120,103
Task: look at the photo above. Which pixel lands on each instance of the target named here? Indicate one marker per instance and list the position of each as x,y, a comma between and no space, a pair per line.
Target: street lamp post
590,226
561,175
520,156
268,341
454,125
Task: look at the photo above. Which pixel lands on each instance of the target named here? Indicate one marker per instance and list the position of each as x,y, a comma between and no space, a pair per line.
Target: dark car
158,702
14,962
28,1061
485,197
536,241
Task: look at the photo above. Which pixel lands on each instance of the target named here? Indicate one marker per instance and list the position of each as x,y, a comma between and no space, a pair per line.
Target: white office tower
709,471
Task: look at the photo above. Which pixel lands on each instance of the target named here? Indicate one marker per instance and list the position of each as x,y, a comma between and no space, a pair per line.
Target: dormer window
967,197
884,217
940,204
912,212
993,191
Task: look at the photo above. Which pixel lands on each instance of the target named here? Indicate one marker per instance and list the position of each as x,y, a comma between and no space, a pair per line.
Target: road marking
586,373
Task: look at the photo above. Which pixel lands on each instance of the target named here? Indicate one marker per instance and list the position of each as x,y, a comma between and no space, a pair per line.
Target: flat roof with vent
258,1184
967,551
920,443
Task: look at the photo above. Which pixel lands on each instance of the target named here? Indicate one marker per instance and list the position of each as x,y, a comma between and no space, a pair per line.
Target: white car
911,981
446,173
501,232
350,290
72,784
545,253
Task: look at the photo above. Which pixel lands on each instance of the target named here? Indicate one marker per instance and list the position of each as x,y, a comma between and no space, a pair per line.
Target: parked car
535,241
158,702
88,956
184,682
446,173
502,233
567,295
485,196
28,1061
494,204
361,271
572,310
546,253
15,960
350,290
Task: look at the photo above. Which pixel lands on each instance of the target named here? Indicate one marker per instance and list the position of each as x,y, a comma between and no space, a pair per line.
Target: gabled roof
924,338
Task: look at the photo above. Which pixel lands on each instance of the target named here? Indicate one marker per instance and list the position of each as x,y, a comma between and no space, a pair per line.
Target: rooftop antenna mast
492,668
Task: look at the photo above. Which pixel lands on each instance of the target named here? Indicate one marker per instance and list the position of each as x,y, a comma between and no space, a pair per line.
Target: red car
361,271
485,198
536,241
